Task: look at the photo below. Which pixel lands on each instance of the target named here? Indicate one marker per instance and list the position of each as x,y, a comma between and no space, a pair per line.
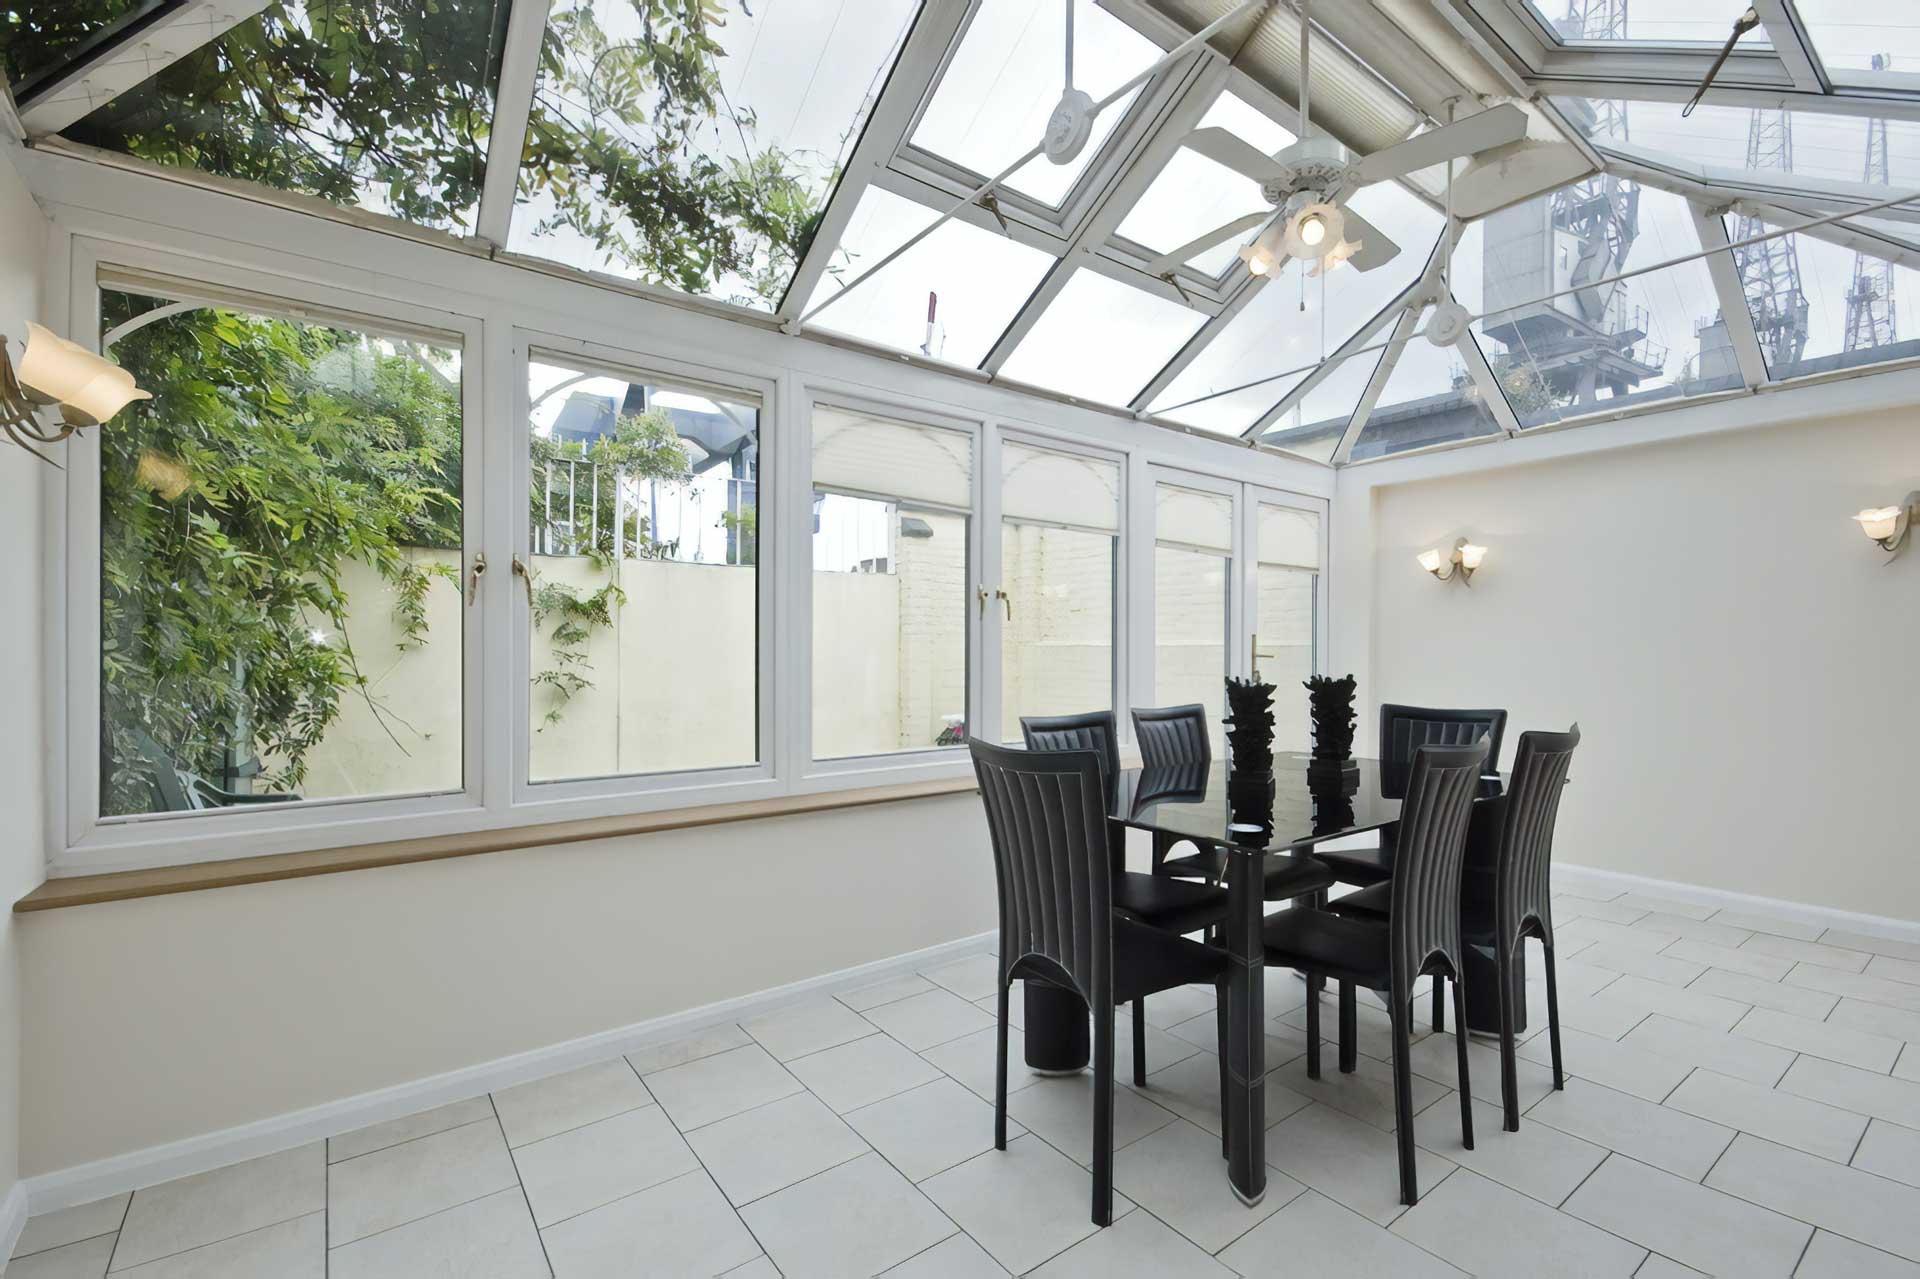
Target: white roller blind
864,454
1193,518
1289,537
1059,488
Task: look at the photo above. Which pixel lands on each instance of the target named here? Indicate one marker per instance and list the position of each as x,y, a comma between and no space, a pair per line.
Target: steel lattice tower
1770,271
1870,317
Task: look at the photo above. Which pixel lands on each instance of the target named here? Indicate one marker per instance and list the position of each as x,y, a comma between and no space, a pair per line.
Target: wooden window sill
126,885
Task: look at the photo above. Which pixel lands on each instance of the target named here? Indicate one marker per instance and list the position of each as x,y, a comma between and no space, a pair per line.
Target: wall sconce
87,388
1466,558
1890,525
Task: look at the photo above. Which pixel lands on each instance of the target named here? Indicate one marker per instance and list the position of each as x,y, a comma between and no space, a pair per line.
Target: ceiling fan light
1313,230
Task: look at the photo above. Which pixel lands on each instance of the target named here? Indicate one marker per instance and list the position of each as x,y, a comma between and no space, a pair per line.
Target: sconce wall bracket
1460,567
1907,514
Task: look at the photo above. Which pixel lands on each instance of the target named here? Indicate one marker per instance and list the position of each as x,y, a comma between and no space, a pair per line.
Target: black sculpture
1330,702
1250,727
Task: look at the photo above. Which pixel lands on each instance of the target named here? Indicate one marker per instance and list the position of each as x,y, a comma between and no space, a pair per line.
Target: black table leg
1056,1030
1246,1045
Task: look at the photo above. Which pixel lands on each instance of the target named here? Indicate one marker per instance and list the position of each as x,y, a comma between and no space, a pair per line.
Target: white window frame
1257,496
1235,637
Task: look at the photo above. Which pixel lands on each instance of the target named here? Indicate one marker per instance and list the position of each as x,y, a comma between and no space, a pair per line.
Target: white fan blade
1375,248
1219,235
1242,157
1470,136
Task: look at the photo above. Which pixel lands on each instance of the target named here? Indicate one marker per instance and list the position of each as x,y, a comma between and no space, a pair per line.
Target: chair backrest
1048,824
1404,729
1523,857
1090,731
1170,735
1428,858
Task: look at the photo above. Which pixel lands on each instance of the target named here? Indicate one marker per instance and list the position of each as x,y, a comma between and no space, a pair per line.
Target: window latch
525,574
984,597
1006,599
473,578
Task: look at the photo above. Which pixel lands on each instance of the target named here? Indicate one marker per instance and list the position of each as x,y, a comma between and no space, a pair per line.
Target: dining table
1256,826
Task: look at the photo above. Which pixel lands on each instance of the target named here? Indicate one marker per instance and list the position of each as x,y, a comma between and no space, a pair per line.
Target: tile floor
1744,1101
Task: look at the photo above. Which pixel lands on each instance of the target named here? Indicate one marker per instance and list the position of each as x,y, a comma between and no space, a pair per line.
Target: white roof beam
1894,106
1734,312
1361,338
1389,359
512,108
1789,42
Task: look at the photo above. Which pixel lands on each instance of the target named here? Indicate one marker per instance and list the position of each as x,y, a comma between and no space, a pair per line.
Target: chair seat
1176,905
1148,960
1359,865
1374,902
1344,949
1285,878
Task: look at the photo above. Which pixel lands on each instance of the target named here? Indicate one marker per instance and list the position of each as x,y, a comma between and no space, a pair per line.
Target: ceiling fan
1308,183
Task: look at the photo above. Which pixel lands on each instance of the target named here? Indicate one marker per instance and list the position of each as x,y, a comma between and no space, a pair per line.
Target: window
1429,398
1678,21
1192,549
891,566
1287,615
280,547
1059,556
1193,194
1101,340
643,575
1858,38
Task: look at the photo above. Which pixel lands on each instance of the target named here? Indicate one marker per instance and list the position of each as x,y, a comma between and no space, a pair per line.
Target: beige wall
171,1017
1742,662
22,861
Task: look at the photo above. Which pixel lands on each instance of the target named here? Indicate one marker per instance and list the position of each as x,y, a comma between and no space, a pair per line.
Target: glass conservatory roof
873,171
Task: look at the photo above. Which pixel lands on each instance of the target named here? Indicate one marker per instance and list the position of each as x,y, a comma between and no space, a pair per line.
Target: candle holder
1330,701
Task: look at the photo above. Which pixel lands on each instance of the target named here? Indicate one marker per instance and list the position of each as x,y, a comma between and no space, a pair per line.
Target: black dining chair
1174,737
1052,856
1420,935
1403,730
1173,905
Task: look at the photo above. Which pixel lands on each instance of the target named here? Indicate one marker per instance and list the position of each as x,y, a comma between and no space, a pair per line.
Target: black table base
1056,1034
1483,991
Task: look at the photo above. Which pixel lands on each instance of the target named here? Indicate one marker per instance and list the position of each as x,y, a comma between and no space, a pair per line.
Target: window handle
525,574
473,578
984,597
1006,599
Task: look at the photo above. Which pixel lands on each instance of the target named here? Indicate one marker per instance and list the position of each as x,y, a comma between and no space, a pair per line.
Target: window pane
1101,340
1429,398
1677,20
645,547
1850,34
890,575
1819,307
694,145
280,536
39,40
1191,555
365,103
993,101
1056,649
1312,425
1286,622
1193,194
949,296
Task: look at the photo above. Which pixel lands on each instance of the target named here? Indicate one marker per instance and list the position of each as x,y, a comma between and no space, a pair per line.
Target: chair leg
1403,1094
1103,1117
1000,1074
1509,1076
1313,1028
1553,1019
1140,1043
1460,1048
1439,1004
1349,1029
1222,1031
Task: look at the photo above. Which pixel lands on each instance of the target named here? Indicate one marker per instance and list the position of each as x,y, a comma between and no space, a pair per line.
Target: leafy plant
577,616
576,515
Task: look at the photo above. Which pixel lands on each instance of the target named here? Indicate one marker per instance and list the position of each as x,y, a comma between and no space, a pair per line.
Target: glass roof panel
380,107
1654,336
696,151
1429,398
1193,194
1819,307
1101,340
1666,23
992,104
973,280
1295,321
1850,35
1313,425
38,40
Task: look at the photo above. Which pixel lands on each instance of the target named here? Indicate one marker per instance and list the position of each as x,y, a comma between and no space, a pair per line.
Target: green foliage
643,446
1530,394
575,617
273,454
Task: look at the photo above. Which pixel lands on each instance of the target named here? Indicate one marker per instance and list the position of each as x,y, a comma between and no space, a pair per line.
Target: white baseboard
118,1174
13,1219
1613,882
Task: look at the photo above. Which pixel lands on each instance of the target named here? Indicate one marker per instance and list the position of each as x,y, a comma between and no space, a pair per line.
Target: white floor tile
1165,1047
808,1028
1865,1208
1598,931
1567,907
1658,1267
1353,1163
1752,1108
677,1052
1366,1094
1625,1067
1137,1246
71,1225
1023,1204
1313,1235
857,1219
1183,1003
1906,970
1735,959
969,1060
1875,1019
294,1249
1061,1111
86,1259
1437,1058
1820,1038
211,1206
364,1141
768,1148
1694,929
1653,1134
1665,906
1775,924
1710,1231
726,1083
1890,1151
1710,1011
1177,1174
1853,940
885,992
403,1183
552,1105
955,1257
1663,965
1835,981
924,1020
1373,1028
1489,1230
1831,1257
1598,1014
490,1238
975,977
680,1227
930,1129
1808,952
587,1167
1850,1088
761,1267
1539,1161
1778,995
1191,1089
1747,1059
863,1072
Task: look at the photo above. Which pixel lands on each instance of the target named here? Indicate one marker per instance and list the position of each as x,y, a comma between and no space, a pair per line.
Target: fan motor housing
1318,163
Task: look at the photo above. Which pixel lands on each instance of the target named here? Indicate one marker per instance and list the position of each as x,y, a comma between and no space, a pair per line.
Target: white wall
1741,661
22,865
